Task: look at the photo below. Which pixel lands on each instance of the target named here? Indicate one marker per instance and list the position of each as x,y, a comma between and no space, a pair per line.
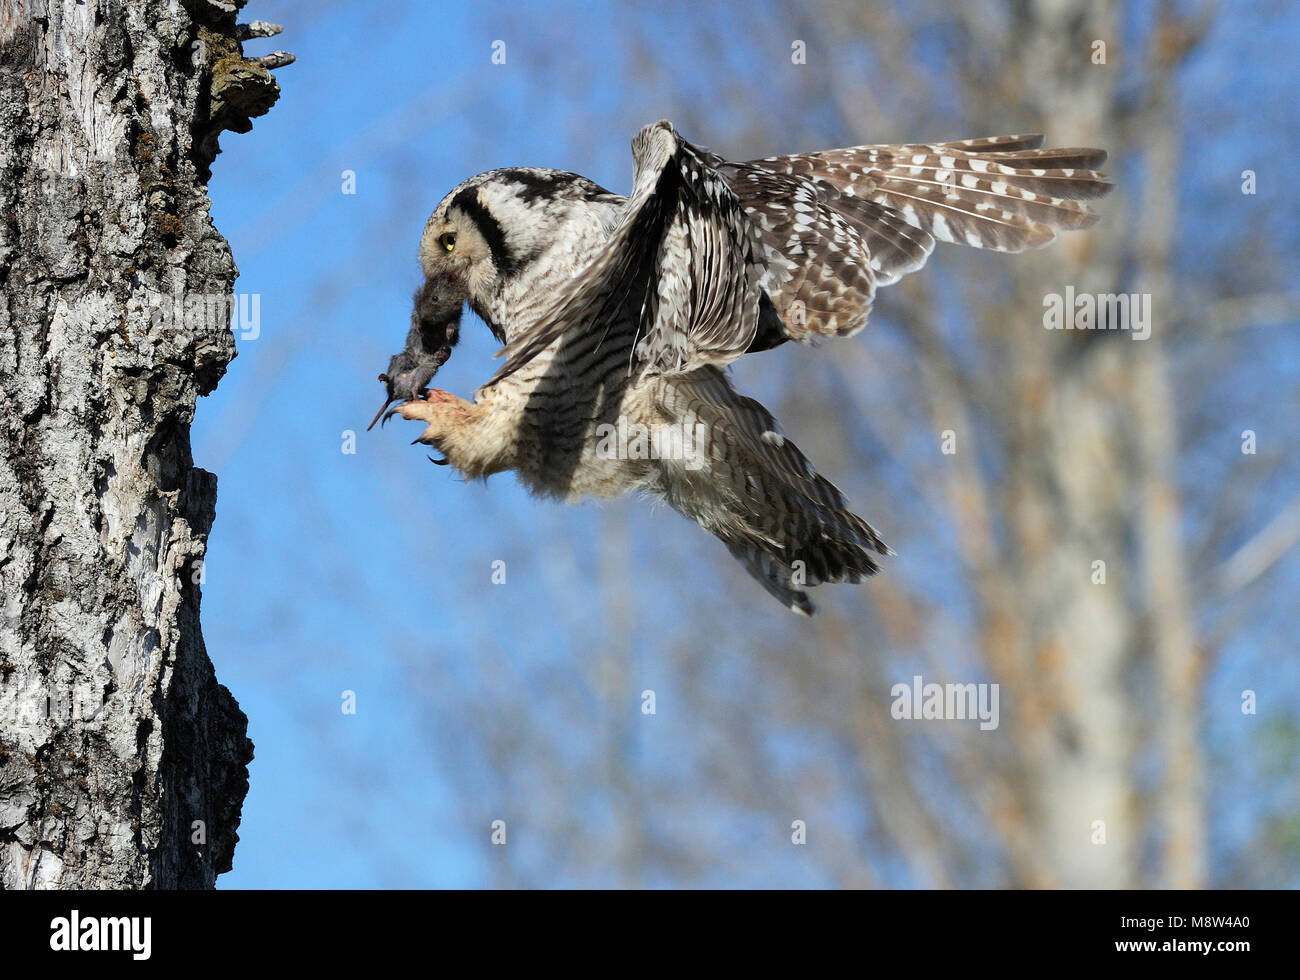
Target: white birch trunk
122,759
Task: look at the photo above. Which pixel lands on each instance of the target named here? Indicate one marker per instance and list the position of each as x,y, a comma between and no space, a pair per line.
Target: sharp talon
436,462
382,408
415,442
390,414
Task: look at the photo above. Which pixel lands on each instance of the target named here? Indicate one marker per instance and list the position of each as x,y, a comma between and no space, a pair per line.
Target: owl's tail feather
752,487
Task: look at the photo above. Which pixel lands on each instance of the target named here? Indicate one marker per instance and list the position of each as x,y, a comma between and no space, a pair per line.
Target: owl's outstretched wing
1002,193
713,259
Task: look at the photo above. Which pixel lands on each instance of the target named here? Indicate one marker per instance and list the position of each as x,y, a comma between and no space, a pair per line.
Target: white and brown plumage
627,309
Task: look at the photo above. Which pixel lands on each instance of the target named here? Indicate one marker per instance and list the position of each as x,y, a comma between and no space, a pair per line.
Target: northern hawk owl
619,314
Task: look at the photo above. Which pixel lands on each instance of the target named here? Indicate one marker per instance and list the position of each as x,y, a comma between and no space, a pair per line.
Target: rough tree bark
122,759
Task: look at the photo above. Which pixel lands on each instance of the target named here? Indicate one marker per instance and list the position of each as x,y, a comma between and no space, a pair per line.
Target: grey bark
122,759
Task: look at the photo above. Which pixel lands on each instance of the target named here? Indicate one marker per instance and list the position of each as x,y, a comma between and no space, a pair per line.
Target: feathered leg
461,431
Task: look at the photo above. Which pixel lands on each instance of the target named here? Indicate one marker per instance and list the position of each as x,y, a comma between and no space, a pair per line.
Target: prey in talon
435,328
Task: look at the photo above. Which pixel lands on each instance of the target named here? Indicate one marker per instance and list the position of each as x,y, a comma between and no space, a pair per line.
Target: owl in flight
619,314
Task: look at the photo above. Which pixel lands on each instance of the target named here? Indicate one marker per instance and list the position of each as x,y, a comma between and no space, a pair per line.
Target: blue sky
369,571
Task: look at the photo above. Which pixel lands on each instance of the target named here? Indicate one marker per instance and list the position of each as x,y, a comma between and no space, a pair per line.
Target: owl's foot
443,411
434,406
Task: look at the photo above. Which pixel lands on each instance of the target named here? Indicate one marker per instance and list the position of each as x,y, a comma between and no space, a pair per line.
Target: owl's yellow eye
448,242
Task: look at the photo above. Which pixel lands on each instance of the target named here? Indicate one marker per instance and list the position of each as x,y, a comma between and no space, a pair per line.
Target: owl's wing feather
680,270
1003,193
1008,199
704,241
817,250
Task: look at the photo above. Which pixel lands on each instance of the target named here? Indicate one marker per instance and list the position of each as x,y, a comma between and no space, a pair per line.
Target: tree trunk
122,760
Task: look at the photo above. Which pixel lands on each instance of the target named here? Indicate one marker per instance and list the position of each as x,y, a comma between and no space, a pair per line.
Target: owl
618,316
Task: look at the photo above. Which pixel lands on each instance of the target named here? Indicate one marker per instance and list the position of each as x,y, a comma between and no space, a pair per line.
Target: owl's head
508,227
464,242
